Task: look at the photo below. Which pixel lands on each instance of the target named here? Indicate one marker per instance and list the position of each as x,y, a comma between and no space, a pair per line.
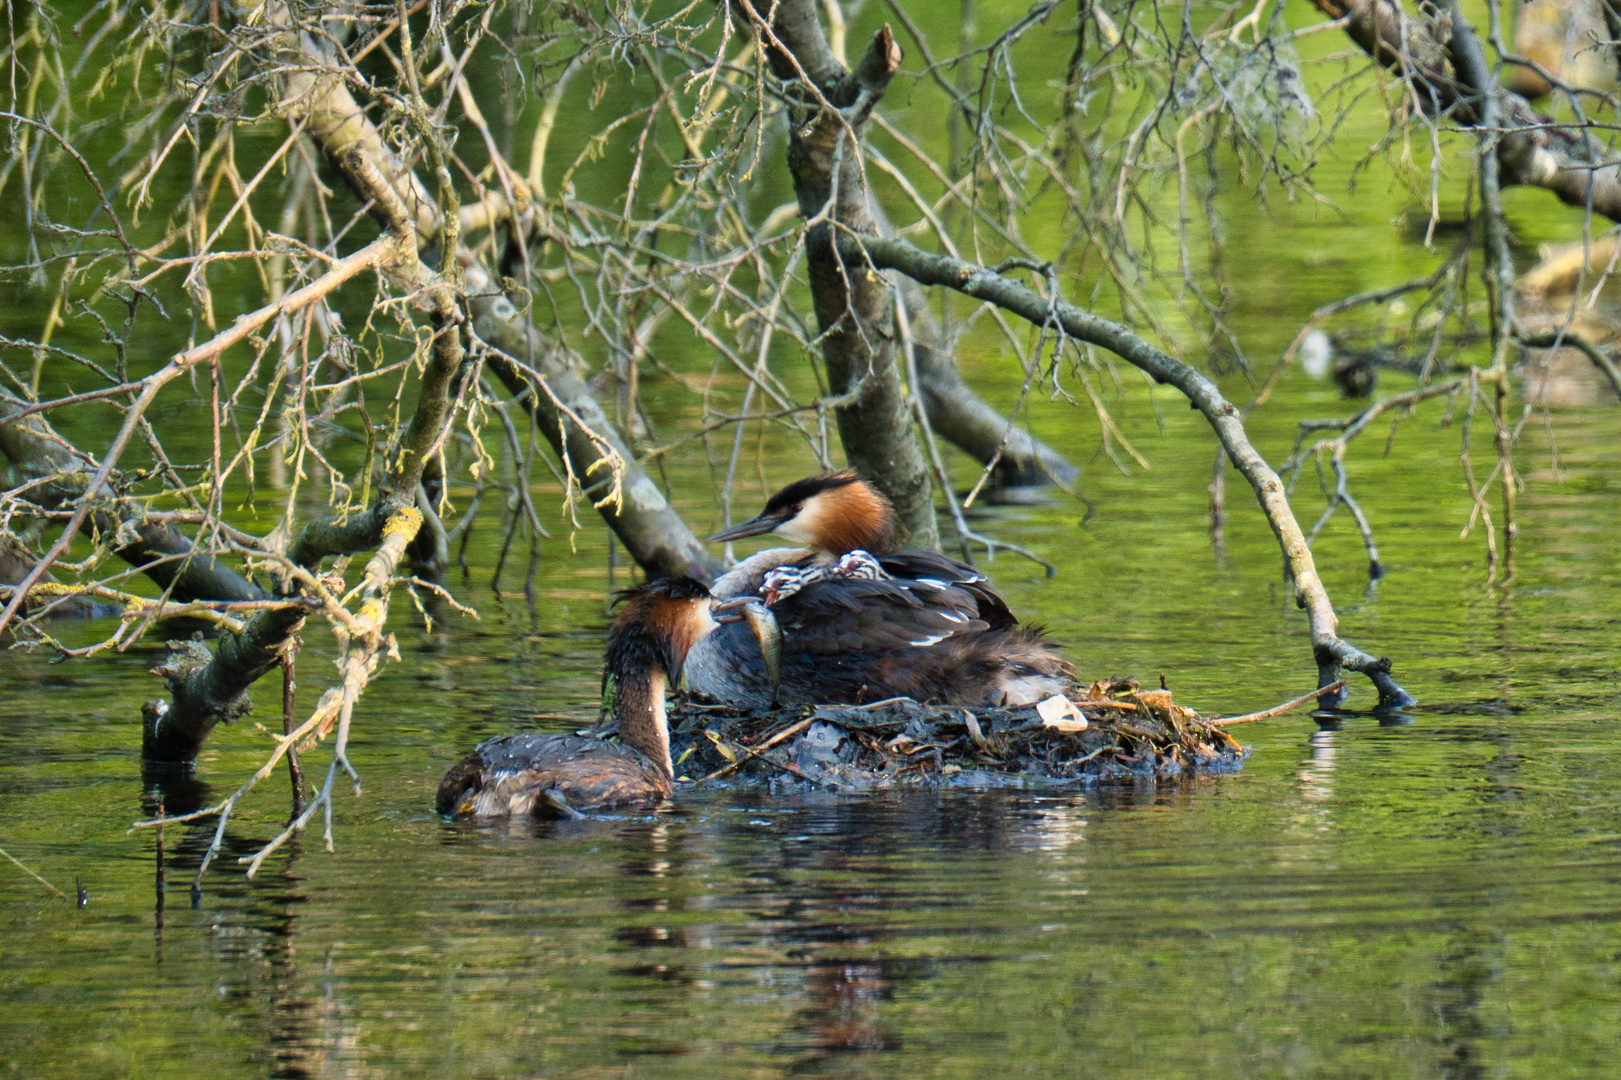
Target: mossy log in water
1115,731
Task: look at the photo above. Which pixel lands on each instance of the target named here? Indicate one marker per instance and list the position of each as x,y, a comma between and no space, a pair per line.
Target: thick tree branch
959,415
153,385
162,552
208,689
565,410
1611,10
584,438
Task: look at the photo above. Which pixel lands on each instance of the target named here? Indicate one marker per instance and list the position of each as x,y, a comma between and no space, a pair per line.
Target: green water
1437,894
1438,897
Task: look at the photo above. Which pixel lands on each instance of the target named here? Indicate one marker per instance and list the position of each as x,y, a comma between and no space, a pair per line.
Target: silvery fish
769,635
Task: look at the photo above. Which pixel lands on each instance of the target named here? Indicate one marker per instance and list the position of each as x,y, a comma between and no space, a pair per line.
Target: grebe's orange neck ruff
660,623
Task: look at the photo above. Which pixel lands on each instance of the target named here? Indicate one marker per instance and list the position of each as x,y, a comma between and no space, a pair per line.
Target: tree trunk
853,308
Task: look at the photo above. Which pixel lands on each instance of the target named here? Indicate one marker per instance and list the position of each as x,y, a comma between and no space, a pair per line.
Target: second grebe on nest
541,774
862,622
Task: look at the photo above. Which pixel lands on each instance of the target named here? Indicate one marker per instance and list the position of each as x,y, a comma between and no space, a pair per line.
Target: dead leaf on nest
720,745
1104,689
1157,699
1060,714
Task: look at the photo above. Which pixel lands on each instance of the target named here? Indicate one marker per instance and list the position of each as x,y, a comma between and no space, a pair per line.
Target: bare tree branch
1532,151
1331,651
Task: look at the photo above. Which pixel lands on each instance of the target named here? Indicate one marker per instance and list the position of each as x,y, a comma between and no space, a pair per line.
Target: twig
1276,710
755,751
33,875
289,687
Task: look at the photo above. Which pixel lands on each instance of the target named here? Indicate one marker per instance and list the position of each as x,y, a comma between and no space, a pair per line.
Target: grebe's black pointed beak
733,610
754,526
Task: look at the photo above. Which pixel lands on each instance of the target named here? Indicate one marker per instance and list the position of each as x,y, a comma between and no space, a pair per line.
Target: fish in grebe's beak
767,632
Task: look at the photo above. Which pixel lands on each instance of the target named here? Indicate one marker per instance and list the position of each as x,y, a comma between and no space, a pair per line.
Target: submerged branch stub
1331,651
207,688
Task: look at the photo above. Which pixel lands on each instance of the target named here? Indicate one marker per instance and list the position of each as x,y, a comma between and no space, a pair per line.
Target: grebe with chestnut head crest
860,621
540,774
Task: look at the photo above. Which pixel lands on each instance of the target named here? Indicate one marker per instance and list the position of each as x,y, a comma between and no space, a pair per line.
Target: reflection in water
1053,828
308,1028
821,900
168,791
820,905
1317,776
181,790
302,1034
1469,967
842,1013
160,884
295,1049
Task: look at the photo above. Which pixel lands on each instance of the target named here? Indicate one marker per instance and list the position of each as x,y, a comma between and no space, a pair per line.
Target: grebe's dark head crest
835,512
659,623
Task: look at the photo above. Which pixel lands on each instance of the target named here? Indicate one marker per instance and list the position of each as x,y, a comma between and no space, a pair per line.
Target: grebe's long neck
639,708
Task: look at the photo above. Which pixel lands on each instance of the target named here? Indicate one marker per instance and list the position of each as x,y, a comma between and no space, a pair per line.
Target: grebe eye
796,508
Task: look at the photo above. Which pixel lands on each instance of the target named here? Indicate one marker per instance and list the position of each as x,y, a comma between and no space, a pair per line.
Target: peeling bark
206,690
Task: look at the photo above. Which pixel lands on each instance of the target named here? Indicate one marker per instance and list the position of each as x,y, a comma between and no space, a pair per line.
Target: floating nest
1113,731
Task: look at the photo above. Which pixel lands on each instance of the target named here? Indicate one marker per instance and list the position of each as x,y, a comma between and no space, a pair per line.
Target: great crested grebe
565,774
861,622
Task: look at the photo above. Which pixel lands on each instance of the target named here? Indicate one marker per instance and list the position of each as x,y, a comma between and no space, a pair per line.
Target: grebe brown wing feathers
508,774
932,566
852,615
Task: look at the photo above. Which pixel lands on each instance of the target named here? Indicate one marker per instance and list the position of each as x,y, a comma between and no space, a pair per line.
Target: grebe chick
548,775
861,621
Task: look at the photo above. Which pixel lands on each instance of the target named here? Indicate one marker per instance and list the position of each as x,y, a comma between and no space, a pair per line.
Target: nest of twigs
1114,730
